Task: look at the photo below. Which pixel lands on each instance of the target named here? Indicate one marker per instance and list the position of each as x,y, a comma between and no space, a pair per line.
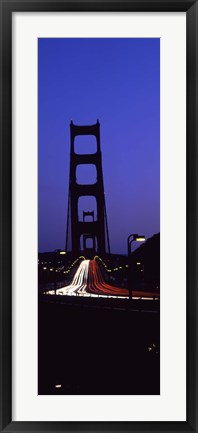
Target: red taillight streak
96,283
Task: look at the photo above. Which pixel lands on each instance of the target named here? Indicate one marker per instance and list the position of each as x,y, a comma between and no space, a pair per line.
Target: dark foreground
97,350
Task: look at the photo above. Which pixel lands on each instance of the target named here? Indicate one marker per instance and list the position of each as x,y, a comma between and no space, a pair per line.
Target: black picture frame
6,9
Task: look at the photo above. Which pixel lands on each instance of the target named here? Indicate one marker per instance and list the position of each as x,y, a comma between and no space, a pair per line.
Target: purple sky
118,82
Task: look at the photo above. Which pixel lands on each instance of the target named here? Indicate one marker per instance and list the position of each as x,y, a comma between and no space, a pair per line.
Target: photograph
98,216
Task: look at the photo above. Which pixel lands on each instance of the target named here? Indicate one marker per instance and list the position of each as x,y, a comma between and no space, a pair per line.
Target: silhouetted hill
148,255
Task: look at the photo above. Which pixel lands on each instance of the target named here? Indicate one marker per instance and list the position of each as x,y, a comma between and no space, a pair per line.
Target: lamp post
133,237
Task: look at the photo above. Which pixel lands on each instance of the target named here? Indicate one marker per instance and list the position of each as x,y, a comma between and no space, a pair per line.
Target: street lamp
133,237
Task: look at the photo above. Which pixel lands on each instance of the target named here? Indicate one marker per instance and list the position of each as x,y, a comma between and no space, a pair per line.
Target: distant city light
58,386
62,252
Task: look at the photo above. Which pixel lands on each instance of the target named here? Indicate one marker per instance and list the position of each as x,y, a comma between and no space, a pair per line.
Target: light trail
89,281
97,284
78,284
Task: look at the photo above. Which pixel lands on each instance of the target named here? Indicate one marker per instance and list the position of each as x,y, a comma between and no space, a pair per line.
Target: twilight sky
118,82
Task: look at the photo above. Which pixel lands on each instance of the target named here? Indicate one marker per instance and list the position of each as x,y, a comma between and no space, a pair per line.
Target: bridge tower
97,229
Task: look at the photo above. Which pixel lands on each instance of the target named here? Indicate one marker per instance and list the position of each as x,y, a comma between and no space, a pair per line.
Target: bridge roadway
89,281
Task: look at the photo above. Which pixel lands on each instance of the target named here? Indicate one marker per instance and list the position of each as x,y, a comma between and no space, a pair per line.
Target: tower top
84,126
93,129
